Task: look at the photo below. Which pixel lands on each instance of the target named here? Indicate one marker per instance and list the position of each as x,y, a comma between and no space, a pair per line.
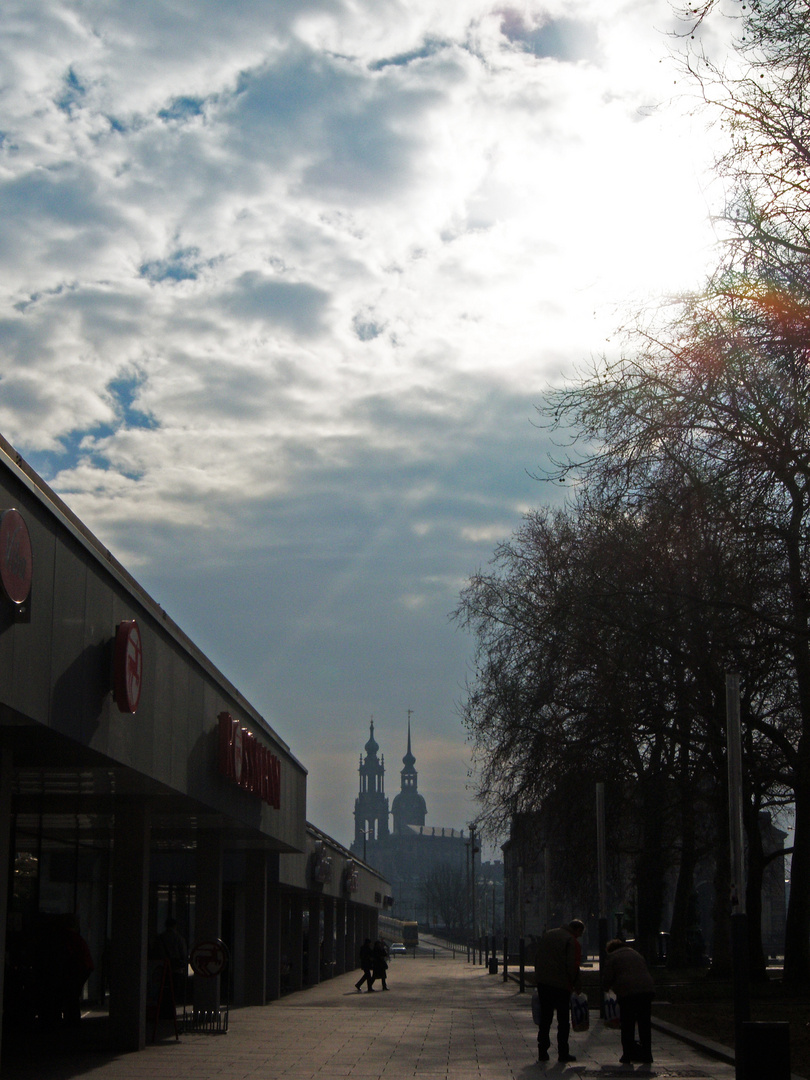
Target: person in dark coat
379,963
366,963
73,971
627,975
556,968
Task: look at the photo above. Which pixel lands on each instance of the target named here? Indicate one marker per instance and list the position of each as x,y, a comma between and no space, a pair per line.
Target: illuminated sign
127,666
16,558
351,877
244,760
321,864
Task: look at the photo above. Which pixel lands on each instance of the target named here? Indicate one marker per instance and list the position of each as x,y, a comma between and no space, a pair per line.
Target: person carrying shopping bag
627,975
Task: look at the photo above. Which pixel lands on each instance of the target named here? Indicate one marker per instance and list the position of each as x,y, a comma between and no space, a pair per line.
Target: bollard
522,965
505,959
765,1050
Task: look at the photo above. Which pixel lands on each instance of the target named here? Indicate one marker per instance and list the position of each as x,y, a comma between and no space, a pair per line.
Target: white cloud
305,269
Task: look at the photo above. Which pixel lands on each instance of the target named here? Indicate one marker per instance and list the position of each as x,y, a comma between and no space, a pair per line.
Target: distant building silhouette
409,807
371,805
413,851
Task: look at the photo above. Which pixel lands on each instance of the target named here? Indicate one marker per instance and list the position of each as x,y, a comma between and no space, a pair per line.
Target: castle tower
371,805
409,807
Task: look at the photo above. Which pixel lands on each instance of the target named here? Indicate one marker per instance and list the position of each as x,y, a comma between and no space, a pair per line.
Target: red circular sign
16,558
128,666
208,958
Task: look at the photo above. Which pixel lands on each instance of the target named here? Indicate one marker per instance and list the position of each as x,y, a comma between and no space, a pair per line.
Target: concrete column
340,937
208,912
255,928
351,937
328,953
295,942
273,943
312,976
129,920
6,765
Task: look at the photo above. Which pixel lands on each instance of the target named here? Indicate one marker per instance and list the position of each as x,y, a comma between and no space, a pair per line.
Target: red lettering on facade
16,560
249,764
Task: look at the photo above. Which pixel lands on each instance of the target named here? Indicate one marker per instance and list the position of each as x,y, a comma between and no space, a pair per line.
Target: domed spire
409,806
372,746
371,805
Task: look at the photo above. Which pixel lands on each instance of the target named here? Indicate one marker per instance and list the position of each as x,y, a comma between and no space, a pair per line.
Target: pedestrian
366,963
380,962
627,975
174,950
556,968
74,968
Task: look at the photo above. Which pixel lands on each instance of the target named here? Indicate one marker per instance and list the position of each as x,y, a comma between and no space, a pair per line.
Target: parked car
396,948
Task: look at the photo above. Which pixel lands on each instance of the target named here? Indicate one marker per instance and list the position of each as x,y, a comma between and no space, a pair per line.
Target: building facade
137,784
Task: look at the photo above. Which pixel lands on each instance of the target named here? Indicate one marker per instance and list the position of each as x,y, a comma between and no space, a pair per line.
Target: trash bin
765,1050
493,965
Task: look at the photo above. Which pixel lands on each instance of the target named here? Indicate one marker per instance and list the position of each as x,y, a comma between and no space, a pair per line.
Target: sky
283,283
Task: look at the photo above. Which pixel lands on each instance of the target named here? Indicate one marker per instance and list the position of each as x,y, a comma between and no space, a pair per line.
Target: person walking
366,963
174,950
379,958
627,975
556,968
74,968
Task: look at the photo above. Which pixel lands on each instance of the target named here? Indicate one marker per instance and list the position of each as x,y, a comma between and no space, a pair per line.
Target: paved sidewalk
442,1019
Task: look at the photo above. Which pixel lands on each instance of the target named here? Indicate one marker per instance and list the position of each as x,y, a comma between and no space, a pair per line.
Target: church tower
371,805
409,807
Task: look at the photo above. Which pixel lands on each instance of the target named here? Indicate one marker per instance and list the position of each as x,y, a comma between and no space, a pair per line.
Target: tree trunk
757,966
721,911
651,868
679,952
797,931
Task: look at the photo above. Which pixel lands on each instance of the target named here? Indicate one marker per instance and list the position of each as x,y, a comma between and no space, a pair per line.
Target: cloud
559,39
305,270
296,306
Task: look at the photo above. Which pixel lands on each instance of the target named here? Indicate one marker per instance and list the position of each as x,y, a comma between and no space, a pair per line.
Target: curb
707,1046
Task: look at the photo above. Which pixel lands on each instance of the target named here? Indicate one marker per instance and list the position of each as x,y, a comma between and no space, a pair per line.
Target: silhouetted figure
627,975
379,963
74,967
556,969
367,964
173,948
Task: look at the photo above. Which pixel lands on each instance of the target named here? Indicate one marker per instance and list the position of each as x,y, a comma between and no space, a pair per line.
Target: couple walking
557,964
373,961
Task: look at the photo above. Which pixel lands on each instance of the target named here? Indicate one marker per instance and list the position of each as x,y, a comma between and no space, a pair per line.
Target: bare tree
723,395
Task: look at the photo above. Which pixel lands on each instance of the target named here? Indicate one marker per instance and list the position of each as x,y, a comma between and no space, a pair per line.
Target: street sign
208,958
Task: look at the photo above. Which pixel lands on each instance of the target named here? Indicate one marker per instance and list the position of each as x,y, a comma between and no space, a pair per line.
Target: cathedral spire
409,760
372,746
408,808
371,804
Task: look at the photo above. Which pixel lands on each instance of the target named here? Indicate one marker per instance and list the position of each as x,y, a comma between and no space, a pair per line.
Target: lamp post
366,833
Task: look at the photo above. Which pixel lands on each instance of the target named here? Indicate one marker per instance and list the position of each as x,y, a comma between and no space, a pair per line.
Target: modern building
413,852
136,784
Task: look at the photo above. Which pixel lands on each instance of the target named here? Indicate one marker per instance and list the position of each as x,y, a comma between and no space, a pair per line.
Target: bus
410,935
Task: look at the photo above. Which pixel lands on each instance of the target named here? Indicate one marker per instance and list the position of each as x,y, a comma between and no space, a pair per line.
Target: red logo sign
16,559
127,666
243,759
208,958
